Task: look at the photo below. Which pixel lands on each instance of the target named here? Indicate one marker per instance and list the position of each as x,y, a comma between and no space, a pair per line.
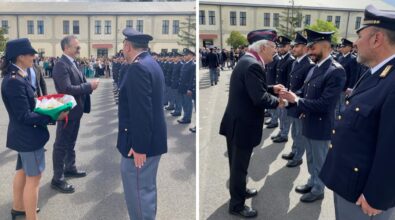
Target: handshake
285,96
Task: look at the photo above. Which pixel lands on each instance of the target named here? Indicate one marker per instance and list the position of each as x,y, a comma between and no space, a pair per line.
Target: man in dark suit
360,164
242,122
69,80
283,70
142,135
300,68
213,64
317,102
35,74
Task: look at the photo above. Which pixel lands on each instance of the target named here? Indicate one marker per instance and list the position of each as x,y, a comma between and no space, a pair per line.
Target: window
163,50
4,26
165,27
329,18
276,19
337,21
307,19
76,27
40,27
202,17
299,18
233,18
66,27
129,24
176,26
357,23
211,17
97,27
174,50
30,27
107,27
140,26
266,19
243,18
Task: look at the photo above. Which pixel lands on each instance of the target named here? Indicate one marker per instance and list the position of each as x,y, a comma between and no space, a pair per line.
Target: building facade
218,19
98,26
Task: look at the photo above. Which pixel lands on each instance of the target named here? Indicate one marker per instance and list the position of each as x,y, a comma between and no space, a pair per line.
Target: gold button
320,119
357,109
339,117
126,129
35,126
333,131
356,169
330,145
347,102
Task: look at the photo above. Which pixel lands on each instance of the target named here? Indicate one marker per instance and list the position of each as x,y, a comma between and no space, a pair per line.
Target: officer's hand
366,208
189,93
95,84
277,88
281,103
62,116
288,95
139,159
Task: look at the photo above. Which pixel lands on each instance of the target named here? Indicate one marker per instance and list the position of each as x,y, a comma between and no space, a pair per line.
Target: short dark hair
66,41
138,45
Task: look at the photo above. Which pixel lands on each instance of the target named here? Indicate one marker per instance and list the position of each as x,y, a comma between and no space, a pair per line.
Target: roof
339,5
97,8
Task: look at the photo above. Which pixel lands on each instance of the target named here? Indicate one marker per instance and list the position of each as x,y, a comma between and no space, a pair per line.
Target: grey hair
257,45
389,33
66,41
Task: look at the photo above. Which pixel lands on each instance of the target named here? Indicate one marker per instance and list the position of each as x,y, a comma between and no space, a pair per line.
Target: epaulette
386,71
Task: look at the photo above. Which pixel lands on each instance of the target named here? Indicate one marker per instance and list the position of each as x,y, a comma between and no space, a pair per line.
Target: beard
316,57
361,59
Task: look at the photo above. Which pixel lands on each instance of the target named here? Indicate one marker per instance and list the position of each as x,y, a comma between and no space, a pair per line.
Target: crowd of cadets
180,76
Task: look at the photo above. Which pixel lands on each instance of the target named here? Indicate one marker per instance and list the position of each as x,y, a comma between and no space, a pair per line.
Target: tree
187,34
291,21
3,41
236,39
325,26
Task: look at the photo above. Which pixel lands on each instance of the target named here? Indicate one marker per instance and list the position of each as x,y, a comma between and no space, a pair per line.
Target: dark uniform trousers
64,153
239,159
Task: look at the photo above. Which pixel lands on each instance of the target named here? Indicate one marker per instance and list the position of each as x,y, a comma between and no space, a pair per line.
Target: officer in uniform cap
187,84
283,70
242,121
348,61
316,102
142,137
300,67
360,162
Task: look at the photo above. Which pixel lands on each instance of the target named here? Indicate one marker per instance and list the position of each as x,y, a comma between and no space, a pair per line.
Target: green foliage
291,21
3,41
236,39
187,34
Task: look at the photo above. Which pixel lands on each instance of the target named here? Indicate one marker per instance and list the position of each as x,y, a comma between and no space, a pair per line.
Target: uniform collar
324,60
137,56
378,66
301,58
23,72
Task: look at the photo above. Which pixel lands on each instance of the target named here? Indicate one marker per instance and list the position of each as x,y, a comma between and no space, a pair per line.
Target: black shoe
183,122
310,197
62,186
268,121
280,140
247,212
303,189
294,163
74,174
289,156
212,84
275,136
15,213
193,130
175,114
270,126
251,193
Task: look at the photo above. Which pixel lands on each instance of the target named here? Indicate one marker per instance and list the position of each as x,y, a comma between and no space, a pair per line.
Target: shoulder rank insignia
385,71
